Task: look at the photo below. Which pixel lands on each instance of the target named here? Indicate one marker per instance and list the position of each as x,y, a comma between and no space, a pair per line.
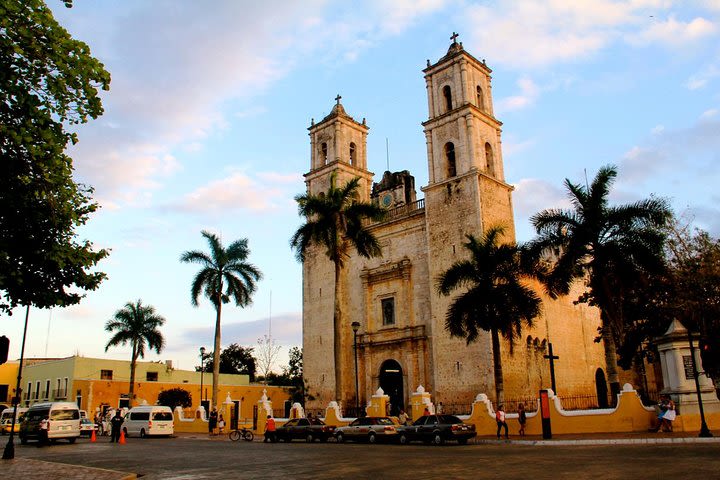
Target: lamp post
704,430
355,327
202,370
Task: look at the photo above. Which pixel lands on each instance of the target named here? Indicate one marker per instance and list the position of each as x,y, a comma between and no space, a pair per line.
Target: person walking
43,437
212,421
522,419
500,419
270,430
221,424
403,417
115,426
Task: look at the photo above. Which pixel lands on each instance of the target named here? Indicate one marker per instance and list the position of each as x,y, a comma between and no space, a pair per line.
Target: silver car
370,429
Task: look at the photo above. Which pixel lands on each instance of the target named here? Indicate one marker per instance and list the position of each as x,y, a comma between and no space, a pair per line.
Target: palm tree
336,220
612,247
495,299
225,275
136,324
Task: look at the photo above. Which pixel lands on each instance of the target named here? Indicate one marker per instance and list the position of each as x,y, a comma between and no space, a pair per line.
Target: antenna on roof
387,153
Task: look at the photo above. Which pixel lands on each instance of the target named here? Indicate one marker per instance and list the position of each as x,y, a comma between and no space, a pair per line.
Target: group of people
216,423
666,414
500,419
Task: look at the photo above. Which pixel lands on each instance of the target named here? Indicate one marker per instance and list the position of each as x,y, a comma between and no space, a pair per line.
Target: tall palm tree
494,299
336,221
611,247
225,275
136,324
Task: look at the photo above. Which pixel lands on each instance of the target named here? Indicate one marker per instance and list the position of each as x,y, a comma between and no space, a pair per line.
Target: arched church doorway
601,388
391,381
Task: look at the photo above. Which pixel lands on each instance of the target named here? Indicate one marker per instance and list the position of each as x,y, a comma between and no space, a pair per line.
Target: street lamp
355,327
202,370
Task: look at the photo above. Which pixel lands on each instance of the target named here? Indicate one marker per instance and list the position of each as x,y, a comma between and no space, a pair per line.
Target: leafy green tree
175,397
225,275
48,81
336,221
136,324
234,359
493,296
611,247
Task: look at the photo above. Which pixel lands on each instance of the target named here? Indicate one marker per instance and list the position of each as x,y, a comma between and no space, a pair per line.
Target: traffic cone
92,437
122,437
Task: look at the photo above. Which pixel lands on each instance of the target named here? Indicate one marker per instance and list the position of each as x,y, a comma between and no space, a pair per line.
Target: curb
604,441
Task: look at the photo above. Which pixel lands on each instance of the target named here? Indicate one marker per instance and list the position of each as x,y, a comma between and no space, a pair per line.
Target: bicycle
243,433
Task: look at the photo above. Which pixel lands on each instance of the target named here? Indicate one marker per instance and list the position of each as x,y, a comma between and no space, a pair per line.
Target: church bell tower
466,194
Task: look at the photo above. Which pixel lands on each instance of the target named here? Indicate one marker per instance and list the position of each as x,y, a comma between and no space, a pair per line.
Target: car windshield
315,421
65,415
448,419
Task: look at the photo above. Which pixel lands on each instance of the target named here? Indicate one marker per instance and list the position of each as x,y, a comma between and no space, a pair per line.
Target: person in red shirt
270,430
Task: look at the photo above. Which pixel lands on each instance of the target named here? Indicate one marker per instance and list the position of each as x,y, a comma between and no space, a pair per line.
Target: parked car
437,429
87,426
6,419
64,421
370,429
309,429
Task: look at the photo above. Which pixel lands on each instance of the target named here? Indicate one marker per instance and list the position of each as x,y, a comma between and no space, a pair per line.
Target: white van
64,421
149,420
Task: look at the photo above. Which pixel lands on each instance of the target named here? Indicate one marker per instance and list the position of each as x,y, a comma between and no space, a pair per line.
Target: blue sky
205,127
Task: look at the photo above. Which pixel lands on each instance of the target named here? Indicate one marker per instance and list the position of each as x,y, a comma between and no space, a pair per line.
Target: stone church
401,340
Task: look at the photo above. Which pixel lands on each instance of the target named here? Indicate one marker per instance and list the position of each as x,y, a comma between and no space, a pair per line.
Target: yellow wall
8,376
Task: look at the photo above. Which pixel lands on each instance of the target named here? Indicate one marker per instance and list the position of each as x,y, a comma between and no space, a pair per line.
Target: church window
352,153
450,157
388,310
447,93
480,99
489,160
324,153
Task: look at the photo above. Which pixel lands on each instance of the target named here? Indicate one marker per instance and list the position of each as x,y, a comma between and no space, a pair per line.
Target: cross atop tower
454,36
337,99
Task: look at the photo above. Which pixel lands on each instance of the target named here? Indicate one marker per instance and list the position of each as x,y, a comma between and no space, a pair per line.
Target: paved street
199,458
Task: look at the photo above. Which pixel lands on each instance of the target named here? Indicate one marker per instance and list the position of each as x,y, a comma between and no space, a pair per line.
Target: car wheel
72,440
142,433
372,438
404,439
309,438
438,439
340,438
462,441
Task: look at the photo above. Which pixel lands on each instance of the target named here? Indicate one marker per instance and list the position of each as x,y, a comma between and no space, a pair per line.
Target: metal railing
404,210
59,394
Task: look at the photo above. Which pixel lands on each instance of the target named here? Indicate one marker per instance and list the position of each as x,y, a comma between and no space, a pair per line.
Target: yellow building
8,379
96,384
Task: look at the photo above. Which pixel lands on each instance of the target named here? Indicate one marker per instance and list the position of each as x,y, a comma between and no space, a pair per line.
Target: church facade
401,339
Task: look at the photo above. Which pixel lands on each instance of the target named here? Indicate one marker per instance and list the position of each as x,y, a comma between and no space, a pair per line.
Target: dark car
370,429
437,429
309,429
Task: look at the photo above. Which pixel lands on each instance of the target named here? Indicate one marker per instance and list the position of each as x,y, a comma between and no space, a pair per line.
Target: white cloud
529,92
527,33
672,32
533,195
234,193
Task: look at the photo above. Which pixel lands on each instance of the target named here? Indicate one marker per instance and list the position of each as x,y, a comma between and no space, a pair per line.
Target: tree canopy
235,359
48,81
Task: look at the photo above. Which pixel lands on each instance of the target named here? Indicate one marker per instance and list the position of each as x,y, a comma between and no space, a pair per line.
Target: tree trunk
216,356
497,361
337,331
133,364
611,362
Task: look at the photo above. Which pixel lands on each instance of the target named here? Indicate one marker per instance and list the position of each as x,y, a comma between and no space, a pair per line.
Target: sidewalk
24,468
623,438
